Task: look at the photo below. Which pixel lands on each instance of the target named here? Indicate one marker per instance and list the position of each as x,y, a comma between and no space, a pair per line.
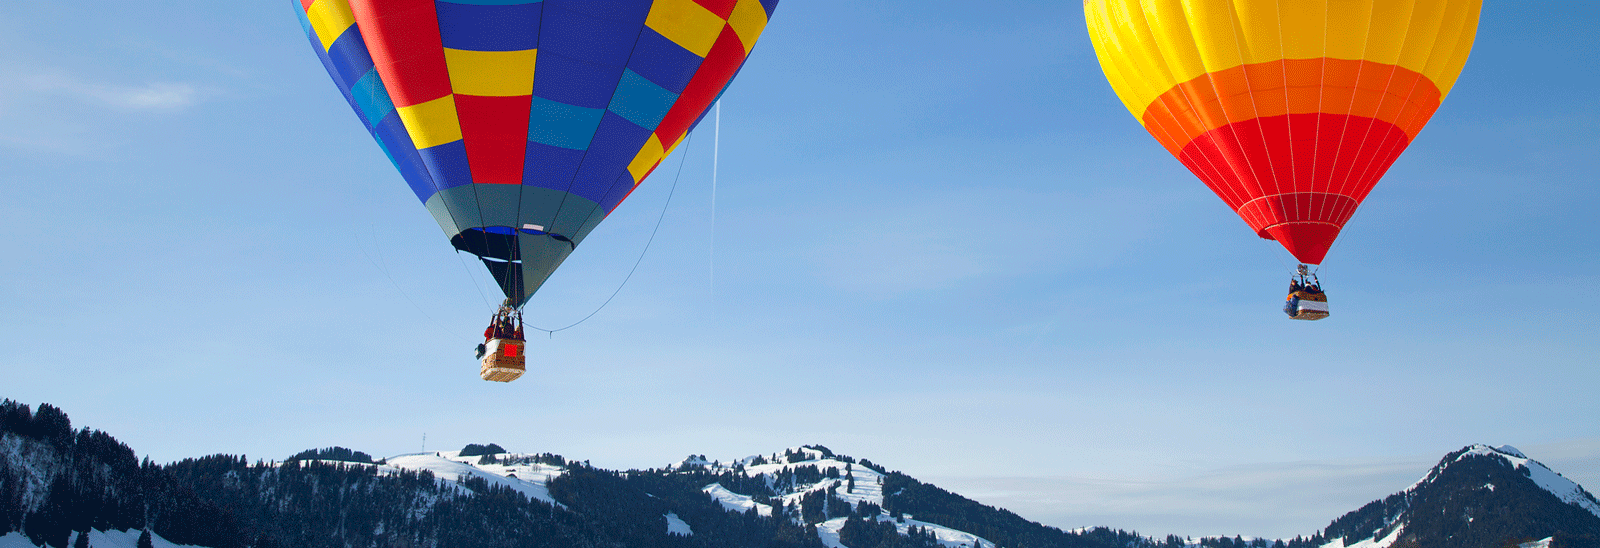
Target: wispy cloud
56,111
1270,500
148,96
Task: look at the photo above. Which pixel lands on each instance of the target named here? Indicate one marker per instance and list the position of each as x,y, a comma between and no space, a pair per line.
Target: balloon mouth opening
532,230
499,243
1308,241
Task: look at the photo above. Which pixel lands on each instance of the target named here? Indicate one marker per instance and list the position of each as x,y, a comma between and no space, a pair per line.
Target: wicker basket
1312,306
503,360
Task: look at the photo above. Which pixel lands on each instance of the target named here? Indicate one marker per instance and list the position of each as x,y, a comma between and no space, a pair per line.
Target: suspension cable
383,267
688,141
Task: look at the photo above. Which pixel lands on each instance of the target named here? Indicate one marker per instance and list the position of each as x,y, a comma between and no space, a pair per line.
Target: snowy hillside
1477,490
1547,479
855,483
842,479
513,470
35,463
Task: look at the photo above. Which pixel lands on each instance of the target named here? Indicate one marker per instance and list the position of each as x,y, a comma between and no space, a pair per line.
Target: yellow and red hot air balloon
1289,110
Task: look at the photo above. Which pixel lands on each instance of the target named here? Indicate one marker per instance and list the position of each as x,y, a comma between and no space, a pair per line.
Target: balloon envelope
1289,110
522,124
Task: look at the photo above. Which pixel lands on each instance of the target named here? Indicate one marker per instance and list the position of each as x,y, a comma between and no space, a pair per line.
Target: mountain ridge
1458,504
57,483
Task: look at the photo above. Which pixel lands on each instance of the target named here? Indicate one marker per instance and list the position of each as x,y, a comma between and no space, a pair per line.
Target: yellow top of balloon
1147,47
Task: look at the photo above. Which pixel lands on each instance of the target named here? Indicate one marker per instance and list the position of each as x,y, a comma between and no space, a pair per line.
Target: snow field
1384,542
97,539
531,479
676,525
734,502
828,531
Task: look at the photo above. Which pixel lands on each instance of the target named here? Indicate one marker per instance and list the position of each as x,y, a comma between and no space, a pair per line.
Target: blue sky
939,242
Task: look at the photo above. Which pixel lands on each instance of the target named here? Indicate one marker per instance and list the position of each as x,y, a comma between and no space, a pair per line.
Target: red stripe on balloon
721,63
403,38
1296,172
495,132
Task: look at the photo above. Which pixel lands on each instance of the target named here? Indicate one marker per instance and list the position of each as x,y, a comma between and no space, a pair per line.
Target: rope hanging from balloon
673,190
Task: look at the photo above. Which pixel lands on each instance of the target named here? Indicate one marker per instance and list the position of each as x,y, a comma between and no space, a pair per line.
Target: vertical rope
716,148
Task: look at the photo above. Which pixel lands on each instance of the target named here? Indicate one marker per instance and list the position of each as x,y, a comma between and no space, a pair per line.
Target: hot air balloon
1289,110
521,124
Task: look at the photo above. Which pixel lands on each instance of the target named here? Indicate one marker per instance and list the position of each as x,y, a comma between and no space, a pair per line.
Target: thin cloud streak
1226,501
158,96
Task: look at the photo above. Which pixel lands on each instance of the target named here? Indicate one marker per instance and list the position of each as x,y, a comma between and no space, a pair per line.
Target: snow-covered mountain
1479,496
59,485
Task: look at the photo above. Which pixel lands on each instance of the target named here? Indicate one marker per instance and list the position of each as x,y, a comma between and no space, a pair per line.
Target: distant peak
1509,450
1547,479
1512,454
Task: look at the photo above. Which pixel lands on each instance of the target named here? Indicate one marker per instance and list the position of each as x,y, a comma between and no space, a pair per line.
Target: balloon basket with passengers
1306,301
501,356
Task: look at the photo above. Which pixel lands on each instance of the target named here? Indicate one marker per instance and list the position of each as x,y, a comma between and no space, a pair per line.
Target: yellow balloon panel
1147,47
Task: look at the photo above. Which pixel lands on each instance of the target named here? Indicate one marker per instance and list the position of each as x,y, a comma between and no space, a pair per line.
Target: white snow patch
693,460
529,479
676,525
868,486
97,539
1384,542
1541,543
828,532
734,502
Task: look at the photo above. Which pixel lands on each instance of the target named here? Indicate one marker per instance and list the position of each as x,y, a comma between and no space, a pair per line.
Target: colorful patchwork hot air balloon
521,124
1289,110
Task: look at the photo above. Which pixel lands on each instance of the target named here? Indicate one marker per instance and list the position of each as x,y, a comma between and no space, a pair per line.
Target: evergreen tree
10,491
145,541
473,450
48,525
83,540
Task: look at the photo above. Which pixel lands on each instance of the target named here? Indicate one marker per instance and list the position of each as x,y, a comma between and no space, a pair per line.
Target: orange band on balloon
1367,89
